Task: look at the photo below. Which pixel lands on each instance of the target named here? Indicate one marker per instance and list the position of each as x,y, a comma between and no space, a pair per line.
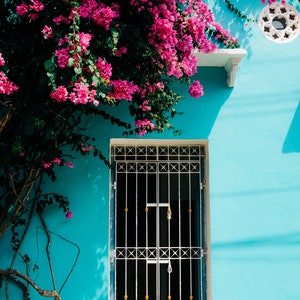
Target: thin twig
75,260
47,247
33,206
20,200
19,246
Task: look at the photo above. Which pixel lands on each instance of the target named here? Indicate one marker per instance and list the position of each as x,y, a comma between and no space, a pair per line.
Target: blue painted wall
254,155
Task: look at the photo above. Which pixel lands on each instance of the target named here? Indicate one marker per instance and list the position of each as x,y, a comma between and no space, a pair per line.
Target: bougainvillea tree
62,61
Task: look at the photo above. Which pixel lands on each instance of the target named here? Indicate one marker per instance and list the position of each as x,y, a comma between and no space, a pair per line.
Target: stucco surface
254,159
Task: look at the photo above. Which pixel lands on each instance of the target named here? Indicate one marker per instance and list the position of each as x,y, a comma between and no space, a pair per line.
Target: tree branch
32,209
18,199
45,293
19,284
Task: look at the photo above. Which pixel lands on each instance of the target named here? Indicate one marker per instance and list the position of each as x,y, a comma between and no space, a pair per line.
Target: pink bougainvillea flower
36,5
270,1
144,126
33,16
95,102
82,94
47,165
70,164
69,215
22,9
121,51
86,149
6,87
61,19
56,160
196,89
104,68
160,85
123,89
60,94
144,106
63,56
47,32
84,39
2,61
104,15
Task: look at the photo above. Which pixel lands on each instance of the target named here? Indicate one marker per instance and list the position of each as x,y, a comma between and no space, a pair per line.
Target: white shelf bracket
231,67
229,59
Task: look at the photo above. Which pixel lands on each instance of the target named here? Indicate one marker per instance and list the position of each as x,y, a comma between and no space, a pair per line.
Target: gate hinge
203,252
201,186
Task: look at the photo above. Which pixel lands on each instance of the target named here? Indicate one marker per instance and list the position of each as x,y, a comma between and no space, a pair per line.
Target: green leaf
49,65
78,71
78,49
92,68
115,37
95,79
71,62
52,78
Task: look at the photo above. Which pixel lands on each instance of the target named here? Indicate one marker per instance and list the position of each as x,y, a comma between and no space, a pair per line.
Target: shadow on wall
292,140
277,247
200,114
237,26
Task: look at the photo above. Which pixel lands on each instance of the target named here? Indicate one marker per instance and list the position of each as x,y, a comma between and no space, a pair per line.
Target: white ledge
227,58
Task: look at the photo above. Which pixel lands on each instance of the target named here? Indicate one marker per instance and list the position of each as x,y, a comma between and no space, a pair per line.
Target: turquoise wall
254,157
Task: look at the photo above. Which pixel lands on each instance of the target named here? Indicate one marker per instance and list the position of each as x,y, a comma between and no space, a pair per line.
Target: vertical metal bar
157,236
190,234
179,230
136,229
169,236
147,244
115,226
200,224
126,229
